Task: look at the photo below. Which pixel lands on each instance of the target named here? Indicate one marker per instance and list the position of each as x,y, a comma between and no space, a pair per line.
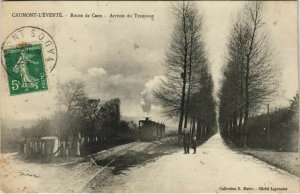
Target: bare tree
259,79
249,76
71,98
196,56
184,60
71,95
176,67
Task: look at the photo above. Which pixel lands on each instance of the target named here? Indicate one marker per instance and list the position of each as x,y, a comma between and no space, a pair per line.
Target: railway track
78,180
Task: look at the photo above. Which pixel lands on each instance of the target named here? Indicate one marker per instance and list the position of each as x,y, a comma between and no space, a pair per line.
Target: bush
283,134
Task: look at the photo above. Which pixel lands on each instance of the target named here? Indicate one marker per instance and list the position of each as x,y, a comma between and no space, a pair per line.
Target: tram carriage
150,130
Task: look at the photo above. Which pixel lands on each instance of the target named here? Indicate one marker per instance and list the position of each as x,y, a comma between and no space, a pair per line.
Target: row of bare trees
186,93
249,75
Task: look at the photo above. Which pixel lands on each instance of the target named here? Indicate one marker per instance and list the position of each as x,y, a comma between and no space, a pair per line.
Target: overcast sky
124,57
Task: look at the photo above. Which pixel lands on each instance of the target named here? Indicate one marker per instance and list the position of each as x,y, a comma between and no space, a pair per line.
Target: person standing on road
186,141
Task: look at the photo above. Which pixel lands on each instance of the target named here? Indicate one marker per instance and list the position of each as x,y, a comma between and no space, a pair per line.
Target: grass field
288,161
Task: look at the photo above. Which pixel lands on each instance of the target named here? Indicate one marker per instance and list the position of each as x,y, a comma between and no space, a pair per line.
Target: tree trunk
198,128
193,126
234,127
201,134
245,124
189,81
182,107
247,100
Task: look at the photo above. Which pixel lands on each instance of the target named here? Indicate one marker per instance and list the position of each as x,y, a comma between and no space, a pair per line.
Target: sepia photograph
149,97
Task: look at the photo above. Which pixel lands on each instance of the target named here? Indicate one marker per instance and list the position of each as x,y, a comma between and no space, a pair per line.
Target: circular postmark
27,35
26,54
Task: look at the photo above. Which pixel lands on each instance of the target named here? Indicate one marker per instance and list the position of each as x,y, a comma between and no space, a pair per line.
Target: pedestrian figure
25,149
186,141
67,150
78,148
43,149
194,144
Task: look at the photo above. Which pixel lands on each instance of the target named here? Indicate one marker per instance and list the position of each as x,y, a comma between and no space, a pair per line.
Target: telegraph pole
268,125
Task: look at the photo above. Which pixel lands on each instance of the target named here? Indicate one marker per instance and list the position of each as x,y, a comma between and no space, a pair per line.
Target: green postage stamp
25,69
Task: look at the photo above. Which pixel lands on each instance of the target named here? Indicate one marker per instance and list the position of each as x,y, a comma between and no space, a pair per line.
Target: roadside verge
288,161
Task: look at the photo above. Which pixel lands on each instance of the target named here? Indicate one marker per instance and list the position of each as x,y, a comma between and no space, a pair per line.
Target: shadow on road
140,158
137,157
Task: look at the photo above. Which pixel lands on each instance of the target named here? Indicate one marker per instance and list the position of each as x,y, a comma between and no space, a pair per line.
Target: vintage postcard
149,97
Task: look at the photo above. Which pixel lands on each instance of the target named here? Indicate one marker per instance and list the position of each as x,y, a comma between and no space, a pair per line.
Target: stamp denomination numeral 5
15,84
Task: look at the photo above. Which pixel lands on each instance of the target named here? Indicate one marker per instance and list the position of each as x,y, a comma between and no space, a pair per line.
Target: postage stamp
28,54
25,68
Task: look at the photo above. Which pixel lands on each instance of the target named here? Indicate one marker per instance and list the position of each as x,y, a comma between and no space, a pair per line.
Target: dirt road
215,168
158,166
19,175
